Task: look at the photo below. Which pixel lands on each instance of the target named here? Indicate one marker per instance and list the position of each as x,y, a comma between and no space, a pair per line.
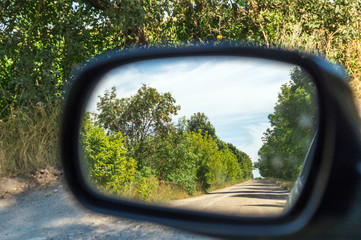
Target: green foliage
147,113
209,162
173,161
232,168
169,154
200,122
145,184
215,167
243,159
106,157
293,123
41,42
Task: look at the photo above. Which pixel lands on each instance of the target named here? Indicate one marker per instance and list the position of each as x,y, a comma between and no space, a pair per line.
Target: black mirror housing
334,175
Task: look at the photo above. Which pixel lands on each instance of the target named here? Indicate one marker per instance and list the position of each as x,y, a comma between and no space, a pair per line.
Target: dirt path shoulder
52,213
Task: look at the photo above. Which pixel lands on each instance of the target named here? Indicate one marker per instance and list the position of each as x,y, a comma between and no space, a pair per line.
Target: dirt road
253,198
52,213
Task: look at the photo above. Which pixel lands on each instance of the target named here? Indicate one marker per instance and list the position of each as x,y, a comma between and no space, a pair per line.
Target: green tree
232,168
140,118
200,122
173,161
41,42
243,159
215,166
293,123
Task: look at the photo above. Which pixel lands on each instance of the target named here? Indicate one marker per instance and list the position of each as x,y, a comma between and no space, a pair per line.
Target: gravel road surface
254,198
52,213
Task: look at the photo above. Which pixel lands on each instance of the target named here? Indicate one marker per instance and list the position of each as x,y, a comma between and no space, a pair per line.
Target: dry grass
294,39
163,193
353,66
167,192
288,185
29,140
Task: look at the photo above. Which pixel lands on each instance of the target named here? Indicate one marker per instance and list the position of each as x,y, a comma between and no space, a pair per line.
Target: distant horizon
236,102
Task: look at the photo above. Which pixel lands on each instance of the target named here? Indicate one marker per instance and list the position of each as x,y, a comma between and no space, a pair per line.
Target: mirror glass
215,133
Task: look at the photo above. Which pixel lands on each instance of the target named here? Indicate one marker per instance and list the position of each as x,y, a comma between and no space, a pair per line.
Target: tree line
42,42
293,125
133,147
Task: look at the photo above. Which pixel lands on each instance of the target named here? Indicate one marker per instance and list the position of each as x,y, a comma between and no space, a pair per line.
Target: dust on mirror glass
219,134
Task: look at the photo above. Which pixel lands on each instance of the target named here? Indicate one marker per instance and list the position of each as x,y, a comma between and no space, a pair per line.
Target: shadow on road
266,188
263,184
252,192
265,205
263,196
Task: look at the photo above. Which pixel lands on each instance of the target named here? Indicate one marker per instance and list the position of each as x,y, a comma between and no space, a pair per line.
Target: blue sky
236,93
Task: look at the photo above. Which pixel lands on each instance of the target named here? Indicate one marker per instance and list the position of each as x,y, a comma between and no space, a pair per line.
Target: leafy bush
174,162
106,158
145,184
214,167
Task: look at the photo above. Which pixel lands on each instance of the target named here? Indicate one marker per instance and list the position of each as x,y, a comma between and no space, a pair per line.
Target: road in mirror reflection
253,198
203,133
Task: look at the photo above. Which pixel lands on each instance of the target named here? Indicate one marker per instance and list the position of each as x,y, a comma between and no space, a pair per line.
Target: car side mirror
158,134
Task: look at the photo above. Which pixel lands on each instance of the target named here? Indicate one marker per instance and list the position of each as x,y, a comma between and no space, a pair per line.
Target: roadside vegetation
133,148
286,184
42,42
30,139
293,125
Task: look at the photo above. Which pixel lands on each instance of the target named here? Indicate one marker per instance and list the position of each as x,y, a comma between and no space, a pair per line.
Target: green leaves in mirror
217,134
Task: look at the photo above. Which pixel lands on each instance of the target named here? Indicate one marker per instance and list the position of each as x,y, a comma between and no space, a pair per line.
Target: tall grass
29,140
288,185
166,192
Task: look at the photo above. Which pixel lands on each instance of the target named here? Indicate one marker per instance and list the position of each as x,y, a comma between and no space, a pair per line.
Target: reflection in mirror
217,134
